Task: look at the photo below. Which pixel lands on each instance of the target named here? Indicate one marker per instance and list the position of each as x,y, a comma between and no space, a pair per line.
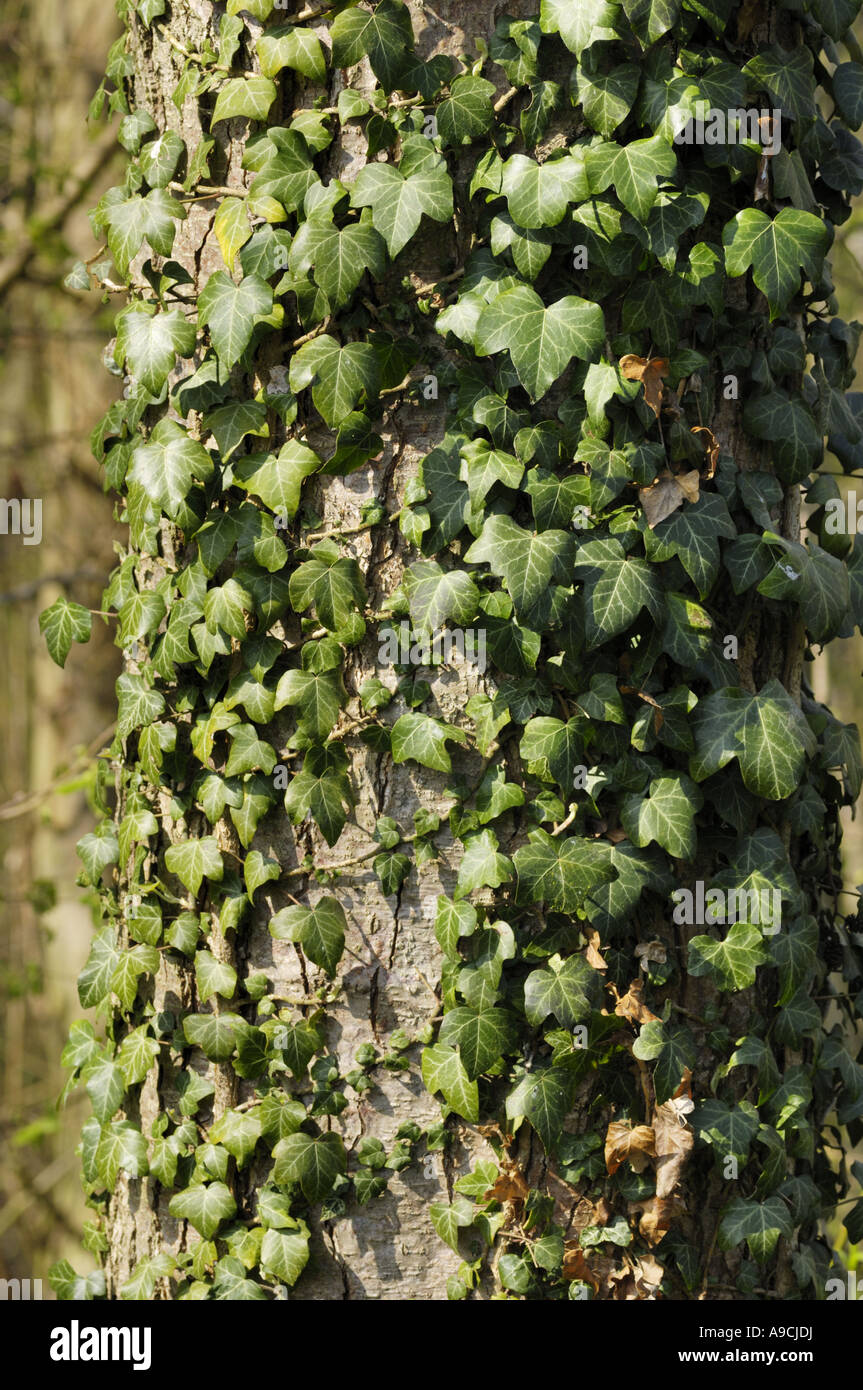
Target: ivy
638,364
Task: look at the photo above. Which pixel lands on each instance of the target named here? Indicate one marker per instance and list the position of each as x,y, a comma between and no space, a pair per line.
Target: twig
23,802
56,212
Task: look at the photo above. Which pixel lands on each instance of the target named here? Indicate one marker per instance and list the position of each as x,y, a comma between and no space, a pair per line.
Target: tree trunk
187,754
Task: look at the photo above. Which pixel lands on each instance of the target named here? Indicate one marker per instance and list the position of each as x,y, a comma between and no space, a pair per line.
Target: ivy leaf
320,930
553,750
385,35
691,534
137,704
765,732
616,589
560,873
337,375
444,1071
570,989
137,219
760,1224
580,23
319,694
731,962
231,225
231,310
666,815
481,1036
673,1048
62,624
606,98
544,1098
332,583
105,1083
788,74
284,177
776,249
150,343
159,158
313,1163
194,860
322,791
467,112
424,740
398,201
277,479
204,1207
291,47
448,1218
650,19
633,169
214,977
122,1146
340,257
244,96
541,341
168,464
435,595
481,864
285,1254
538,195
452,922
525,561
791,428
729,1129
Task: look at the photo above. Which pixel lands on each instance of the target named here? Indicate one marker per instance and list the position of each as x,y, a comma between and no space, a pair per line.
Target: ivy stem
207,190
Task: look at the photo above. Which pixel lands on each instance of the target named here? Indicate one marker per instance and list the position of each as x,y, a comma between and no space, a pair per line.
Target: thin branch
55,213
23,802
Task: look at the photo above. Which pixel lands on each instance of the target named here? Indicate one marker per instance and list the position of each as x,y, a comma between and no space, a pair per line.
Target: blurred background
54,387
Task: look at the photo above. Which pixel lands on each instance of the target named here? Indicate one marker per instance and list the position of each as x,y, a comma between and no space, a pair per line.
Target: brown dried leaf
508,1187
631,1005
575,1266
666,494
624,1142
674,1140
647,951
649,371
648,1274
657,1216
592,954
710,444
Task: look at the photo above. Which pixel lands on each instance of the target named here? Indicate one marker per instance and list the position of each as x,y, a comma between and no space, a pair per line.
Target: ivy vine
640,354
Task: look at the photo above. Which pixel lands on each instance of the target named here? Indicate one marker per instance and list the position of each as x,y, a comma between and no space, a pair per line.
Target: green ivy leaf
168,464
337,375
633,170
231,310
400,197
444,1071
151,342
733,961
62,624
541,341
760,1224
249,96
666,815
424,740
194,860
560,872
291,47
776,249
313,1163
570,989
204,1207
320,930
